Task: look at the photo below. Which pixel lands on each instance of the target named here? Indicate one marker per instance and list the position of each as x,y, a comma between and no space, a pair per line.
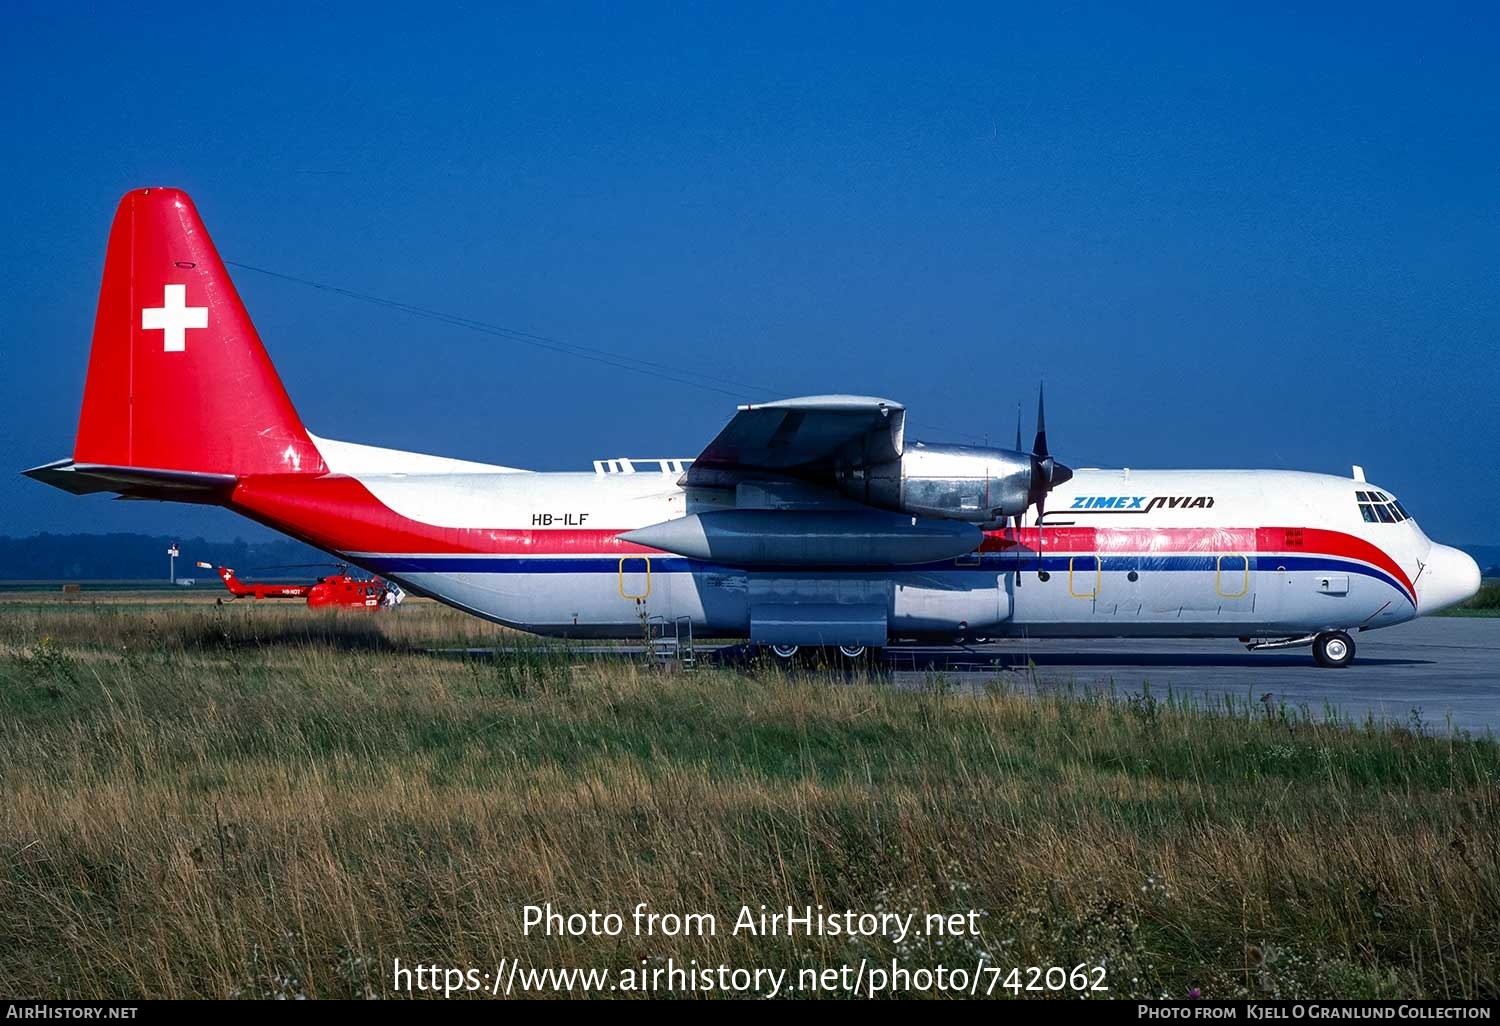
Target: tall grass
273,803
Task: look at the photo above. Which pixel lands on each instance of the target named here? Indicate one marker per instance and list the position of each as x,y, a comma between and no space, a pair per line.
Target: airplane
338,590
810,523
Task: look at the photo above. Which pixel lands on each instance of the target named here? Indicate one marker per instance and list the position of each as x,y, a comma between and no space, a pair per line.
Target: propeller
1046,472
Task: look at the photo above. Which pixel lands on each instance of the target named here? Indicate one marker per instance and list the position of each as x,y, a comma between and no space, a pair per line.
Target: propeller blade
1041,511
1047,473
1018,428
1039,447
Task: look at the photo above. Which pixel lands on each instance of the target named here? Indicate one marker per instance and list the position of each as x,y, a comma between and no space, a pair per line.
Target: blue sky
1240,236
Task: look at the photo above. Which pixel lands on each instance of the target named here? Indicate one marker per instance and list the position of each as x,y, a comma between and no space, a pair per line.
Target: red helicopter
338,590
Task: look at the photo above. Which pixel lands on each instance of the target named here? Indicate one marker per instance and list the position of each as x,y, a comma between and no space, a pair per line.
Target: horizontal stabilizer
133,482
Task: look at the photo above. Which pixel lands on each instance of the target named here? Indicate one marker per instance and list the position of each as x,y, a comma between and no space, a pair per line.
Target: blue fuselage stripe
989,563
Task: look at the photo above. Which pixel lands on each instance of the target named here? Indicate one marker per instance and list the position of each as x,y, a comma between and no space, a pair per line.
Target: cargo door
1234,584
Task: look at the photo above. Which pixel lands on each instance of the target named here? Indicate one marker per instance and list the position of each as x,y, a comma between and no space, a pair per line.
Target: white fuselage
1148,553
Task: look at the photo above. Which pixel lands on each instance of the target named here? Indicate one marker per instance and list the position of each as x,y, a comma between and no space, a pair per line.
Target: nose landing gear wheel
1333,649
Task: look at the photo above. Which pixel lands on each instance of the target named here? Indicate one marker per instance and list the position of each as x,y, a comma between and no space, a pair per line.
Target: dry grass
153,621
263,801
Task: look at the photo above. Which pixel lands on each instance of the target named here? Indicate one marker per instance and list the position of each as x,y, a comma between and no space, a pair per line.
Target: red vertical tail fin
178,379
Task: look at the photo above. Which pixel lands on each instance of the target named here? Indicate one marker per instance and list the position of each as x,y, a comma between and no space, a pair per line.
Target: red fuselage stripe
340,514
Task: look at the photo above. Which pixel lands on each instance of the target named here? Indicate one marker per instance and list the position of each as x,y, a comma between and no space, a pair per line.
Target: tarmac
1443,672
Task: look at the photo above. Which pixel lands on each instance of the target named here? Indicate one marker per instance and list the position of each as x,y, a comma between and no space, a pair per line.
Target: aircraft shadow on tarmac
951,660
968,659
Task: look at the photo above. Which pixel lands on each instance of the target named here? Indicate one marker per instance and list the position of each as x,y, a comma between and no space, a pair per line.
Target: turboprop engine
956,482
960,482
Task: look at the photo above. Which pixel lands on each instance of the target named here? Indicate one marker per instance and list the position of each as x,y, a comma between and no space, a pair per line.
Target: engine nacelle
959,482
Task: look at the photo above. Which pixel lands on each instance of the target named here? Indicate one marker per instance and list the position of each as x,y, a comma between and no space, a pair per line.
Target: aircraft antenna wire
709,382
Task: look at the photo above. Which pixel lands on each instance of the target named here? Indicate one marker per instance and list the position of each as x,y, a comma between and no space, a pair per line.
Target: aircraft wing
800,437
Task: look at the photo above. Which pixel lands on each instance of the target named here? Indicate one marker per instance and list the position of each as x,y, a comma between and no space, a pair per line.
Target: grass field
263,801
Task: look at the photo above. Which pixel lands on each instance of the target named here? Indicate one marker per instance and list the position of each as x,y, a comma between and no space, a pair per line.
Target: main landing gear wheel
784,653
860,657
1333,649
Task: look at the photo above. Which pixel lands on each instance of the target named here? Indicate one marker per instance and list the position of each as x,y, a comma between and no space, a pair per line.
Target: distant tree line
130,557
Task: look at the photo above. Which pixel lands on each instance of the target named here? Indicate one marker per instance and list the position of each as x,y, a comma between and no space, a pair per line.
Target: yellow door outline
623,593
1219,576
1098,577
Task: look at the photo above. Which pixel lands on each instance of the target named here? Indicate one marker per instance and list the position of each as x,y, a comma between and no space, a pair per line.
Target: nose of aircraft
1450,577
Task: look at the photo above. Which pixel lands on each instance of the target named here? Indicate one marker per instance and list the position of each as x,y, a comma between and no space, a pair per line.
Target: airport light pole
172,566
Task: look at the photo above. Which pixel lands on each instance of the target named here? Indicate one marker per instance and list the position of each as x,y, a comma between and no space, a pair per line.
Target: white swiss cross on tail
173,318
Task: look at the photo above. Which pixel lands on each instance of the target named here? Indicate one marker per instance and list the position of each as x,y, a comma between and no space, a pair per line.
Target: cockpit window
1380,508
